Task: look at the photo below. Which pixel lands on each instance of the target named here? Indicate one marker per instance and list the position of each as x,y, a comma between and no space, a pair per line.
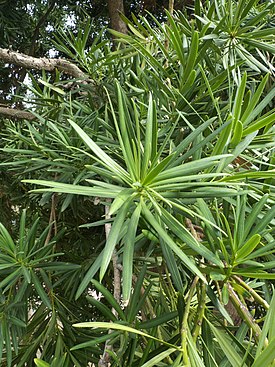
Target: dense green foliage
171,134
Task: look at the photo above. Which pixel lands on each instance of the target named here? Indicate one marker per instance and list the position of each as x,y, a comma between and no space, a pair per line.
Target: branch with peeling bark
42,63
16,114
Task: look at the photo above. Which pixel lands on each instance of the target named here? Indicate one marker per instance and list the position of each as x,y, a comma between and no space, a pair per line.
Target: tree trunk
115,8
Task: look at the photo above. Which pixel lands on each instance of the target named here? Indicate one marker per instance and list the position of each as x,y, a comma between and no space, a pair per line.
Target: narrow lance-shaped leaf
113,236
151,117
181,232
172,265
89,275
108,326
239,99
122,132
266,357
8,243
104,158
192,55
254,100
109,298
248,247
40,363
120,199
260,123
190,167
40,290
73,189
226,346
158,358
129,245
169,241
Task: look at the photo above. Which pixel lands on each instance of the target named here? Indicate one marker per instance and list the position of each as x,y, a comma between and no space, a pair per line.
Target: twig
200,311
244,312
171,7
52,219
184,326
251,291
196,231
166,41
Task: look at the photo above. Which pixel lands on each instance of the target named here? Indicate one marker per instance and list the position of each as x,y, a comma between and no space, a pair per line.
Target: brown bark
16,114
115,8
42,63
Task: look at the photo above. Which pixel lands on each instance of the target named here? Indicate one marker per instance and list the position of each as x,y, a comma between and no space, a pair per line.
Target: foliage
173,136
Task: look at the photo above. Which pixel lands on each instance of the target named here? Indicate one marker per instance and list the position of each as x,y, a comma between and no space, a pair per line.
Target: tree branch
13,113
42,63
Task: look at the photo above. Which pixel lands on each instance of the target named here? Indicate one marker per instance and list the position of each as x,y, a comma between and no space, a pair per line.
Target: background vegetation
137,189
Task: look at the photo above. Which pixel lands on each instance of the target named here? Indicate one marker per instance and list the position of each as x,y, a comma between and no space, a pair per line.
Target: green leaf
162,319
122,131
113,326
259,107
192,55
216,302
248,247
257,274
109,298
153,173
168,240
158,358
52,87
41,363
239,99
268,329
72,189
181,232
226,346
94,341
238,133
259,124
265,220
89,275
104,310
8,243
254,100
104,158
128,253
40,290
114,236
256,210
266,357
172,265
250,174
12,278
120,199
22,230
186,169
149,145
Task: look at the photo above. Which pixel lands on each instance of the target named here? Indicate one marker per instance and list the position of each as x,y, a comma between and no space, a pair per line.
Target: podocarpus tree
172,142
